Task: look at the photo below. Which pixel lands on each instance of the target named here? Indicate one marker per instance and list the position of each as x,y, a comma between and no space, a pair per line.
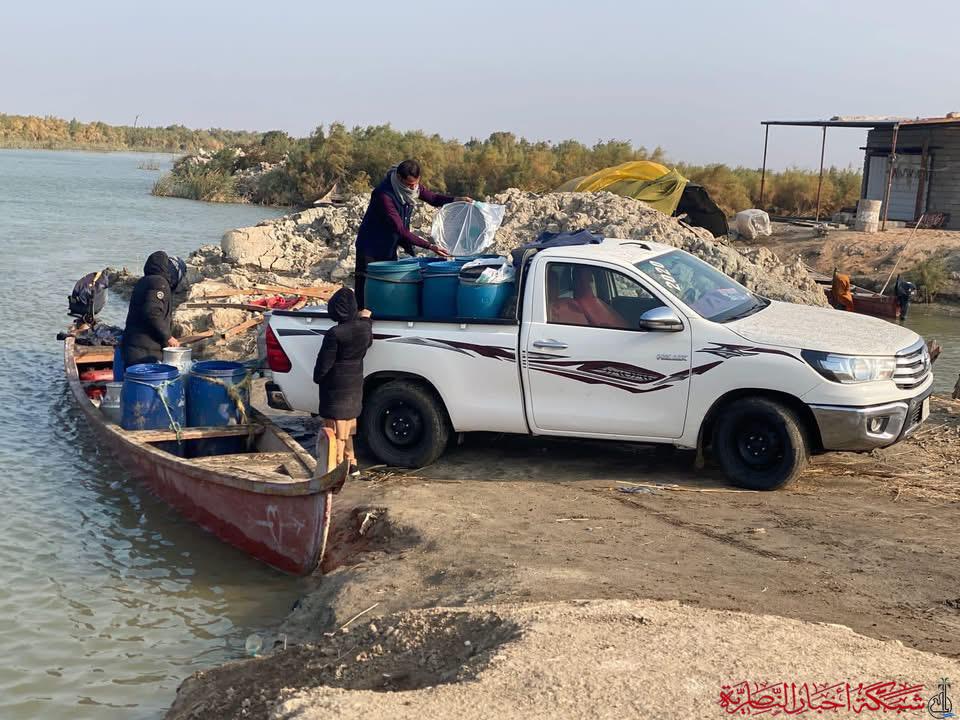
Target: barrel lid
151,371
444,266
383,267
218,368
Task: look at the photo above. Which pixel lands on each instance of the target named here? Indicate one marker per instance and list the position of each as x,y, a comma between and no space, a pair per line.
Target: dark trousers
904,307
133,355
360,272
360,277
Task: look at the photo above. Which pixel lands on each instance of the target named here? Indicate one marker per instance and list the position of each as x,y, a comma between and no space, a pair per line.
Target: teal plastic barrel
482,300
152,398
440,283
392,289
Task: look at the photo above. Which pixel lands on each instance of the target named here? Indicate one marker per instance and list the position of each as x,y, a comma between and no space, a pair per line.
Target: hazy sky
694,77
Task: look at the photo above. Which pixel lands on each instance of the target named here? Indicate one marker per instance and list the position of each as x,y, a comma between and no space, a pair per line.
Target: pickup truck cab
631,341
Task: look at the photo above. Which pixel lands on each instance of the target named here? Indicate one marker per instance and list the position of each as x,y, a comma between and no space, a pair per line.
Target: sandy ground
601,659
872,256
865,541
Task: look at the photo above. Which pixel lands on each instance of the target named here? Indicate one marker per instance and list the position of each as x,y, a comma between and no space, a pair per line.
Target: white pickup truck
630,341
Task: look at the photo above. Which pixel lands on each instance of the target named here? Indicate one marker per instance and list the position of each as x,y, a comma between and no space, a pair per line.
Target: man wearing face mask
386,224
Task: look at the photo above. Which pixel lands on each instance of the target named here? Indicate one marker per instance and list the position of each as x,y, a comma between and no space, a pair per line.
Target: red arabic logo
773,699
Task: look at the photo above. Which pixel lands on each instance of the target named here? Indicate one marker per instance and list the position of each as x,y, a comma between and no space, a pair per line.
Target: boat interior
259,448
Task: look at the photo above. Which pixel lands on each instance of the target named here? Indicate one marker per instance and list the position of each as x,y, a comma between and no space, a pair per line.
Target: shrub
930,277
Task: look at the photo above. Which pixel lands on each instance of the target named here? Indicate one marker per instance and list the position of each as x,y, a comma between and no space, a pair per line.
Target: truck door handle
550,344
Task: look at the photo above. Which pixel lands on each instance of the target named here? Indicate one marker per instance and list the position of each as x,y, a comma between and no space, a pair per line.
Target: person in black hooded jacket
339,371
147,330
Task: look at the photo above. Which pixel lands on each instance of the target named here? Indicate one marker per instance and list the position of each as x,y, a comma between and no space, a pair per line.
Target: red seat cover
598,313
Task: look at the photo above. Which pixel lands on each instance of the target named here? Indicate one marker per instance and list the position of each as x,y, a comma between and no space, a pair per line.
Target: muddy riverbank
861,540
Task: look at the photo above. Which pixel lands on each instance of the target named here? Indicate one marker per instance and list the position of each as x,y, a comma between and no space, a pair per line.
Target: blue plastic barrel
440,283
209,403
152,398
392,289
117,363
482,300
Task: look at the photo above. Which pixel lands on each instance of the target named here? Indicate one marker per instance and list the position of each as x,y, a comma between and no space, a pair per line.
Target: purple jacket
386,224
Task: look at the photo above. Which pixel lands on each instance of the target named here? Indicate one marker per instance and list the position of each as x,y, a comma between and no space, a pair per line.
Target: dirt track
519,519
868,542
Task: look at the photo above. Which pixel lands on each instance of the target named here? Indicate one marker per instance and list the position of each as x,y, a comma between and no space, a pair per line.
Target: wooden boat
265,501
866,302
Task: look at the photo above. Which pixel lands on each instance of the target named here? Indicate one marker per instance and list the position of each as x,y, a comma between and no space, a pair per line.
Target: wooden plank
242,327
295,468
193,433
273,459
320,293
196,338
232,306
258,462
96,355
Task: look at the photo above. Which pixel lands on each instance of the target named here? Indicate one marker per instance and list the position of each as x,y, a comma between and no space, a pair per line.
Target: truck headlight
851,368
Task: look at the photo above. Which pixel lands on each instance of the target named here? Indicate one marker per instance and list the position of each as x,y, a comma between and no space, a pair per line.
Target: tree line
355,159
53,133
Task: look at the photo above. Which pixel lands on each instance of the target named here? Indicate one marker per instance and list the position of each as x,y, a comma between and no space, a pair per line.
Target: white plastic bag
464,229
497,275
751,224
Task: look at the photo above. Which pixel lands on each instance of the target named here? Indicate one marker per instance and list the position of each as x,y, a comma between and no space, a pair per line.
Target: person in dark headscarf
904,290
339,372
147,330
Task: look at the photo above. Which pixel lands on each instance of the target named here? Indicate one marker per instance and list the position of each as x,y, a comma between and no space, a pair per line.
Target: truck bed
473,364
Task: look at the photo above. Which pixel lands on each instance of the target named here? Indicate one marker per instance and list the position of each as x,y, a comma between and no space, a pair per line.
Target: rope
234,393
161,389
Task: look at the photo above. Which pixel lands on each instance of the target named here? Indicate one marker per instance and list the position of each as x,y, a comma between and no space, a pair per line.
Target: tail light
277,359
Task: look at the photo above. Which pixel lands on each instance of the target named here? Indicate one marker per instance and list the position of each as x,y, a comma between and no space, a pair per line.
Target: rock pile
316,246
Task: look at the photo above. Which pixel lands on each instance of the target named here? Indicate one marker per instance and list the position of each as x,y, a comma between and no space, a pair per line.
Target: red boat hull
876,305
281,521
286,532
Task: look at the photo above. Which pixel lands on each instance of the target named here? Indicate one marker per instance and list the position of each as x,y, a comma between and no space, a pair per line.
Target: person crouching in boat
147,331
339,372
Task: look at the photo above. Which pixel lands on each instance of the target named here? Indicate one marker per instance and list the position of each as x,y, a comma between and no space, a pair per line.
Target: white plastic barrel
868,216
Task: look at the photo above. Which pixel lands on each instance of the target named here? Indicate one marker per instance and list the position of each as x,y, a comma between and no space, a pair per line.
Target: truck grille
913,366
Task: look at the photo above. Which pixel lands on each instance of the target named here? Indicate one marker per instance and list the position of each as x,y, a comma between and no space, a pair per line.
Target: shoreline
503,525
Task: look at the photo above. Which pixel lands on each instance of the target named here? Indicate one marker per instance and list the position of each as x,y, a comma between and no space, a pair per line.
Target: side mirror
661,319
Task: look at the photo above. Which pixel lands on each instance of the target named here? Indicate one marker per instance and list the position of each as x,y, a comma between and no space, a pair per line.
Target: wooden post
763,171
891,161
823,148
326,451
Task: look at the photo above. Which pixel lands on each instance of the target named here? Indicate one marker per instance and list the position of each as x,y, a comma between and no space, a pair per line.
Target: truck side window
595,297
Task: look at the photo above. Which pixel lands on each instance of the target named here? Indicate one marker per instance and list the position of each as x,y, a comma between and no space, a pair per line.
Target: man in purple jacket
386,224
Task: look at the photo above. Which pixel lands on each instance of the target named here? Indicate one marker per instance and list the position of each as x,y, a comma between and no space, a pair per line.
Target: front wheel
760,444
404,424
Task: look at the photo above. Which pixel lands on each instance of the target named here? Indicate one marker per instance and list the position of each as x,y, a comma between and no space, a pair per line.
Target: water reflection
108,599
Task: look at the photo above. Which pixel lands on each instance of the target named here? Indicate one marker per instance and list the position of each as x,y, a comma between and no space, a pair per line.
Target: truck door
588,367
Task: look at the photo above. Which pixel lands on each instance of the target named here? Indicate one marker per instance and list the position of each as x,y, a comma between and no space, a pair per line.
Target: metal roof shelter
869,123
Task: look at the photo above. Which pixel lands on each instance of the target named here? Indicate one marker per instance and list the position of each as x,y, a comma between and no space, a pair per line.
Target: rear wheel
760,444
404,424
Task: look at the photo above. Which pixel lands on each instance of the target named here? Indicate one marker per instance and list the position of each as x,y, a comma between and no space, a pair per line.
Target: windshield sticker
666,279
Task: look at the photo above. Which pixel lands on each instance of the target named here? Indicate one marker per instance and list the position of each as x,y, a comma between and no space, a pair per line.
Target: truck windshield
706,290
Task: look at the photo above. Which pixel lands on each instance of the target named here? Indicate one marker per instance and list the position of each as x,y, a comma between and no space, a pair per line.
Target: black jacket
148,318
339,367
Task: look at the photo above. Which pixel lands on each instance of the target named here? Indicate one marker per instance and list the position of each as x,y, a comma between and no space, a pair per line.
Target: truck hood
825,329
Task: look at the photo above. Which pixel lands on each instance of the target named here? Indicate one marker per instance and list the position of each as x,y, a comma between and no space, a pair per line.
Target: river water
107,598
